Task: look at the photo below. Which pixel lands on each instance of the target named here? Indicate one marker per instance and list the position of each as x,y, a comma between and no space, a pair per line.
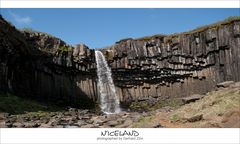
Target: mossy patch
148,38
144,106
15,105
143,122
139,106
173,103
64,49
174,118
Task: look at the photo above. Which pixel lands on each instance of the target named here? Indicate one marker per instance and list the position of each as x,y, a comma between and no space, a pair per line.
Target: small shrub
174,118
64,49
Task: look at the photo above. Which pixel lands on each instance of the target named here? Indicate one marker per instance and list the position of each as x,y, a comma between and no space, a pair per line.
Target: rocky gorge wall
162,67
149,69
43,67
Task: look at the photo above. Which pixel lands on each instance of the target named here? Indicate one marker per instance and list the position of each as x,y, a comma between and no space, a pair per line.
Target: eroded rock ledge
148,69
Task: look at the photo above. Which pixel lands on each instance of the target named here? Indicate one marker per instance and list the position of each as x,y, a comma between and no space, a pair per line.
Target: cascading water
108,98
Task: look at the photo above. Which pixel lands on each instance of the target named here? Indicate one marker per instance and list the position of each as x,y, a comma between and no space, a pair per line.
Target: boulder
225,84
80,123
31,124
81,51
112,123
89,126
2,124
127,123
18,125
3,116
191,98
195,118
46,126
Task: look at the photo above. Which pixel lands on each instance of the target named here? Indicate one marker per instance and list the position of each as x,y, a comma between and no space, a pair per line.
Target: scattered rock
158,126
89,121
70,126
112,117
236,85
88,126
195,118
46,126
80,123
2,124
98,122
2,116
225,84
31,125
53,122
192,98
135,116
213,125
127,123
112,123
123,114
9,125
18,125
85,117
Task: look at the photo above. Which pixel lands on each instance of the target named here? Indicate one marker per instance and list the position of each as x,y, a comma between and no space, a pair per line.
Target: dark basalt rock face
42,67
162,67
42,41
149,69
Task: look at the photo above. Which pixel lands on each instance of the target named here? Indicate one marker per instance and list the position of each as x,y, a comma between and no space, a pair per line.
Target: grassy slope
214,104
215,108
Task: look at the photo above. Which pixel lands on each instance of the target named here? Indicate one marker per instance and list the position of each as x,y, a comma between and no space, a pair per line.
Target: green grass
143,106
174,103
147,38
63,49
214,104
174,117
140,106
15,105
143,122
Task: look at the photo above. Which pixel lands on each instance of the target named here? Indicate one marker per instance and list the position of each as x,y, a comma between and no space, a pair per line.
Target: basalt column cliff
41,66
162,67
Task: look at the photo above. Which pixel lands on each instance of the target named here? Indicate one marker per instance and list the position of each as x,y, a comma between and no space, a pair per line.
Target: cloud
26,20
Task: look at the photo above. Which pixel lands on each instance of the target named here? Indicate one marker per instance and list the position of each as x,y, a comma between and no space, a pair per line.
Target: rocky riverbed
71,118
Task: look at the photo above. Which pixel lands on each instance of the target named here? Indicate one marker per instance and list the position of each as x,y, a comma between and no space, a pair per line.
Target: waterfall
108,98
